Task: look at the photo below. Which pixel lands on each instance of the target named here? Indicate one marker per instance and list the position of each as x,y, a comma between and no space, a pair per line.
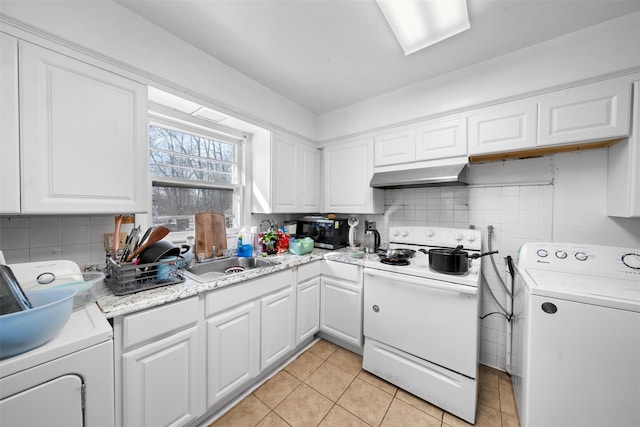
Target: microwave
326,233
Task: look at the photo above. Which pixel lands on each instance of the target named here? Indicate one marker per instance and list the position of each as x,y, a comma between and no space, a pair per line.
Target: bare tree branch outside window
189,164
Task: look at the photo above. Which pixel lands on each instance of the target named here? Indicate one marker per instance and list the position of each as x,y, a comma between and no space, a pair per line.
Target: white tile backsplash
41,238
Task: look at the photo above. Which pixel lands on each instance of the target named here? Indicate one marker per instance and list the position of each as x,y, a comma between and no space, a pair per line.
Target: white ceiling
327,54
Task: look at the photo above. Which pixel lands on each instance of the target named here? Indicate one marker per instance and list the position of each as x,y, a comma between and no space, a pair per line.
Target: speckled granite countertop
113,305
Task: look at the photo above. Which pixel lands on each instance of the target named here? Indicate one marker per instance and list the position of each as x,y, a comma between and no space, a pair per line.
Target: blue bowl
25,330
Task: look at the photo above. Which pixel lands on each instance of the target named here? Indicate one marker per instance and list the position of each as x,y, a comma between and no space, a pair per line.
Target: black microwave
326,233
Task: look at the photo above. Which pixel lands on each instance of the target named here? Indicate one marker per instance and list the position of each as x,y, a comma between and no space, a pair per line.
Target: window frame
163,117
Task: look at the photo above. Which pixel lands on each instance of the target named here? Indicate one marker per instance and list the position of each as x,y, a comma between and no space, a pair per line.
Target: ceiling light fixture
421,23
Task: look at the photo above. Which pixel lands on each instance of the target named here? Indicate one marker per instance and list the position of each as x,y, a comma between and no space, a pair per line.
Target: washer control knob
542,253
581,256
561,254
631,260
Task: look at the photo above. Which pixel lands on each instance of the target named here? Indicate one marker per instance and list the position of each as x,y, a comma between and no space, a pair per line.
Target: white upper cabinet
9,126
429,140
510,126
348,168
441,138
623,173
286,176
591,112
83,136
395,147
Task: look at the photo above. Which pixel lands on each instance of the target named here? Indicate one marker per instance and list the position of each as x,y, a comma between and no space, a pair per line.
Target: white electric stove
421,326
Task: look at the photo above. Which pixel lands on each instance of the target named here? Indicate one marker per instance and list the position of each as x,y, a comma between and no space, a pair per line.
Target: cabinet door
341,310
307,309
295,171
160,382
285,183
84,137
505,127
277,323
9,125
348,168
308,175
395,147
590,112
439,139
623,172
233,350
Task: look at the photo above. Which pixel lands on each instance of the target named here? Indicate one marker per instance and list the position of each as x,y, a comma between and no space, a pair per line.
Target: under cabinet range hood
455,174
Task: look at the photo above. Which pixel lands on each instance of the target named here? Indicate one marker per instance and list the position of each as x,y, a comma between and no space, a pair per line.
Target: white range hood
428,176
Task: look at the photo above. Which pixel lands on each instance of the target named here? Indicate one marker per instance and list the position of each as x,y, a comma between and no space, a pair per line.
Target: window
193,169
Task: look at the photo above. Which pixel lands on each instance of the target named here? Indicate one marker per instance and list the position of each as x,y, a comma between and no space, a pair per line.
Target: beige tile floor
326,386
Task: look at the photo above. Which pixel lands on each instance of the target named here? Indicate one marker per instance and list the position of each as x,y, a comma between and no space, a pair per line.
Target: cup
167,269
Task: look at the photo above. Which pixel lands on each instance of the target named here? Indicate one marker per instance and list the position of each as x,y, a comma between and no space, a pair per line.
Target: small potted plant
269,241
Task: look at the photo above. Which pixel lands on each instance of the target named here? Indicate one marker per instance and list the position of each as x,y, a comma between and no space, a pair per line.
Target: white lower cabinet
160,368
341,302
160,382
277,326
232,350
250,327
308,301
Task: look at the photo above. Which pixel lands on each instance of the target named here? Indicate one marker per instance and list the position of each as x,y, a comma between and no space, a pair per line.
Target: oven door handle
435,284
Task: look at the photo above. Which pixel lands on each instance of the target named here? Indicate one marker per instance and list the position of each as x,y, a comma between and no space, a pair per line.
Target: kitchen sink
224,266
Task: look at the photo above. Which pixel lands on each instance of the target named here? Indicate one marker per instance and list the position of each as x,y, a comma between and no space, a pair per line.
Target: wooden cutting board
210,231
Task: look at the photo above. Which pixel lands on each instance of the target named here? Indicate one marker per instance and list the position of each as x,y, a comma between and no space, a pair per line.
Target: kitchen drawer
233,295
158,321
344,272
309,271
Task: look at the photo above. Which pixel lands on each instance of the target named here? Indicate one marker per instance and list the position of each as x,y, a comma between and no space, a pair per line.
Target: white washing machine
68,381
576,335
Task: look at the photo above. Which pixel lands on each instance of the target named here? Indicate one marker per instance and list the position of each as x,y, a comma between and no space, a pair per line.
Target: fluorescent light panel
421,23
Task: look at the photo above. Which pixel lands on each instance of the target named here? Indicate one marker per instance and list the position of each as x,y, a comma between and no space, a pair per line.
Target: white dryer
67,381
576,335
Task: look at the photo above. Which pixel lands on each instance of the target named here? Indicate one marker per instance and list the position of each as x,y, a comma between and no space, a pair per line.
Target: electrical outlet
108,240
369,225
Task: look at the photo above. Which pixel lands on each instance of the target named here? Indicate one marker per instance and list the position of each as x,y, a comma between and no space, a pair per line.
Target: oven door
431,319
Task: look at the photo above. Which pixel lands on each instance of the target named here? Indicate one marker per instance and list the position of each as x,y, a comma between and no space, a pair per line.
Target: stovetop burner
398,261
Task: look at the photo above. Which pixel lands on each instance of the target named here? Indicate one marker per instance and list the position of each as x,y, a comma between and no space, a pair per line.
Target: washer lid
606,292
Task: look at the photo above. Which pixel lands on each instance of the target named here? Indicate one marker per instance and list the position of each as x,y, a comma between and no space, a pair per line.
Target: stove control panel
597,260
436,236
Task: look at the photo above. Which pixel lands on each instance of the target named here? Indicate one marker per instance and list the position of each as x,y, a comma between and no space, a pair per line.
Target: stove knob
561,254
405,233
471,238
631,260
581,256
430,233
458,237
542,253
395,233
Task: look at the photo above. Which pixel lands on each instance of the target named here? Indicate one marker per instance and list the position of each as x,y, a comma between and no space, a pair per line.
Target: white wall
115,32
594,51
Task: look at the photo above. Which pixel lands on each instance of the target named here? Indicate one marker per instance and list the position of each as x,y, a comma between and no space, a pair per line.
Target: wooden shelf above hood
542,151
